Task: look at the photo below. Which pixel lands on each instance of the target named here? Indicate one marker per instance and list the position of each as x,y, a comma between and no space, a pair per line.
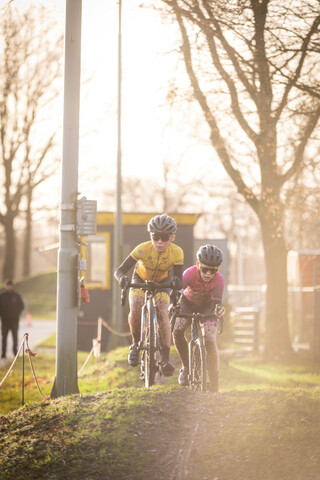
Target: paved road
38,331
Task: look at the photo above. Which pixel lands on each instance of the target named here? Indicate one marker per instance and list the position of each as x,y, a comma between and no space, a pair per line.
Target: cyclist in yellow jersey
153,260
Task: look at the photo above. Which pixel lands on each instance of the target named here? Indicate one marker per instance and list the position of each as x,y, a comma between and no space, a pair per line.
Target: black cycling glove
124,281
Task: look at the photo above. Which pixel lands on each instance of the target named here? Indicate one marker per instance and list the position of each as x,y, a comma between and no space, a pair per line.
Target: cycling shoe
133,357
183,377
167,369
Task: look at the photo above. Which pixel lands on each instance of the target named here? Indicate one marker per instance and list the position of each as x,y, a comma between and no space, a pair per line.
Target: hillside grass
111,370
129,433
264,423
266,419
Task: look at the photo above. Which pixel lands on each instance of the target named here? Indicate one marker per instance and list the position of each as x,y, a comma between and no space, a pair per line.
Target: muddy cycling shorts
163,294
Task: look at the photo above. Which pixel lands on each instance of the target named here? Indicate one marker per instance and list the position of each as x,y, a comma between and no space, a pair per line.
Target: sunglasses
160,236
212,271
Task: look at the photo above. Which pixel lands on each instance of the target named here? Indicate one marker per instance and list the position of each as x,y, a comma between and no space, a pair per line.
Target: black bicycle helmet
162,224
210,255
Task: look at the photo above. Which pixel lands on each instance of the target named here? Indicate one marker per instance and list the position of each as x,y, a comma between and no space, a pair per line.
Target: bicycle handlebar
197,316
175,312
148,285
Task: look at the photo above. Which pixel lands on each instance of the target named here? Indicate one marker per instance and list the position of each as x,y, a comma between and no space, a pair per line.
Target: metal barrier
246,329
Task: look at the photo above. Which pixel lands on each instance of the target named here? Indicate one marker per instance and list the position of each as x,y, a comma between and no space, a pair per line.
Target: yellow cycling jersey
153,265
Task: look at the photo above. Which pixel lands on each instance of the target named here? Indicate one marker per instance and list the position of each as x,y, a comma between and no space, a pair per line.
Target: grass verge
264,424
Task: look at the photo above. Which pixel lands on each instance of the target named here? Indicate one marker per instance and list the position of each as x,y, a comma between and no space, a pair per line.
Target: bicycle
149,343
197,354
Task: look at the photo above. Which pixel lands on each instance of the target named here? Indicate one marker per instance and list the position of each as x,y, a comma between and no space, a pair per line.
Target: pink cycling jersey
199,292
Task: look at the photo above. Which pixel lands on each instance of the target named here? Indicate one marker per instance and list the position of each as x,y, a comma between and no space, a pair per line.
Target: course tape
30,355
107,326
14,360
85,363
121,334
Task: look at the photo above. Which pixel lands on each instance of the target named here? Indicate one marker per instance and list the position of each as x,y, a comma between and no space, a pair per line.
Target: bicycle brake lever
123,296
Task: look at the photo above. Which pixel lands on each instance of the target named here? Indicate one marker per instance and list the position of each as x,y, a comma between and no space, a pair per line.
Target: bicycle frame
149,339
149,343
196,349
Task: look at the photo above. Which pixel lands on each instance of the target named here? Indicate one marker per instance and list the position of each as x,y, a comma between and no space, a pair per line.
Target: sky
147,71
151,130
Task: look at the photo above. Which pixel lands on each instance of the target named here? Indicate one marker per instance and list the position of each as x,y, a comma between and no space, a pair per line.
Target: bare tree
252,65
31,56
171,193
37,171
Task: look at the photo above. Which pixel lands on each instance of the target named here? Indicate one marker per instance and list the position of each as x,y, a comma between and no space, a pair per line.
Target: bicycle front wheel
198,374
150,365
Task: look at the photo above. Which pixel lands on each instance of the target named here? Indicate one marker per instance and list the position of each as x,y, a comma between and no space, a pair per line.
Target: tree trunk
10,249
27,238
277,337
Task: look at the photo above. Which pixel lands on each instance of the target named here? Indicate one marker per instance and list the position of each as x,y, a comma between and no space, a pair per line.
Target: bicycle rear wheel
150,365
198,373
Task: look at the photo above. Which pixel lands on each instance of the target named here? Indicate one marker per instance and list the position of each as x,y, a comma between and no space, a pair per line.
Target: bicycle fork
194,337
143,340
197,360
143,326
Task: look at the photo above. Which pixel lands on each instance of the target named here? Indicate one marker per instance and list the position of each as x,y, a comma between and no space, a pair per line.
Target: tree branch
232,90
293,80
216,138
260,9
298,160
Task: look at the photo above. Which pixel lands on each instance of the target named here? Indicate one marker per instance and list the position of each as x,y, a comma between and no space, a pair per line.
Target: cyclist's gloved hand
124,281
220,311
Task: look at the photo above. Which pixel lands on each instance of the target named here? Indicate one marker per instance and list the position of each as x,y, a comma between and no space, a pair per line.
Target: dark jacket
11,305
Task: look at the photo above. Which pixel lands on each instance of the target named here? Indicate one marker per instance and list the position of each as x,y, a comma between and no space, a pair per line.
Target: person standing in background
11,306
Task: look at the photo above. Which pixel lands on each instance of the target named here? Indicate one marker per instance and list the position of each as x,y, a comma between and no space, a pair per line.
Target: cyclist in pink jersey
202,290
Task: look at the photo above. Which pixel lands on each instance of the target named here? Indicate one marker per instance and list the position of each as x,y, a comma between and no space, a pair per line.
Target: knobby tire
198,367
150,347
